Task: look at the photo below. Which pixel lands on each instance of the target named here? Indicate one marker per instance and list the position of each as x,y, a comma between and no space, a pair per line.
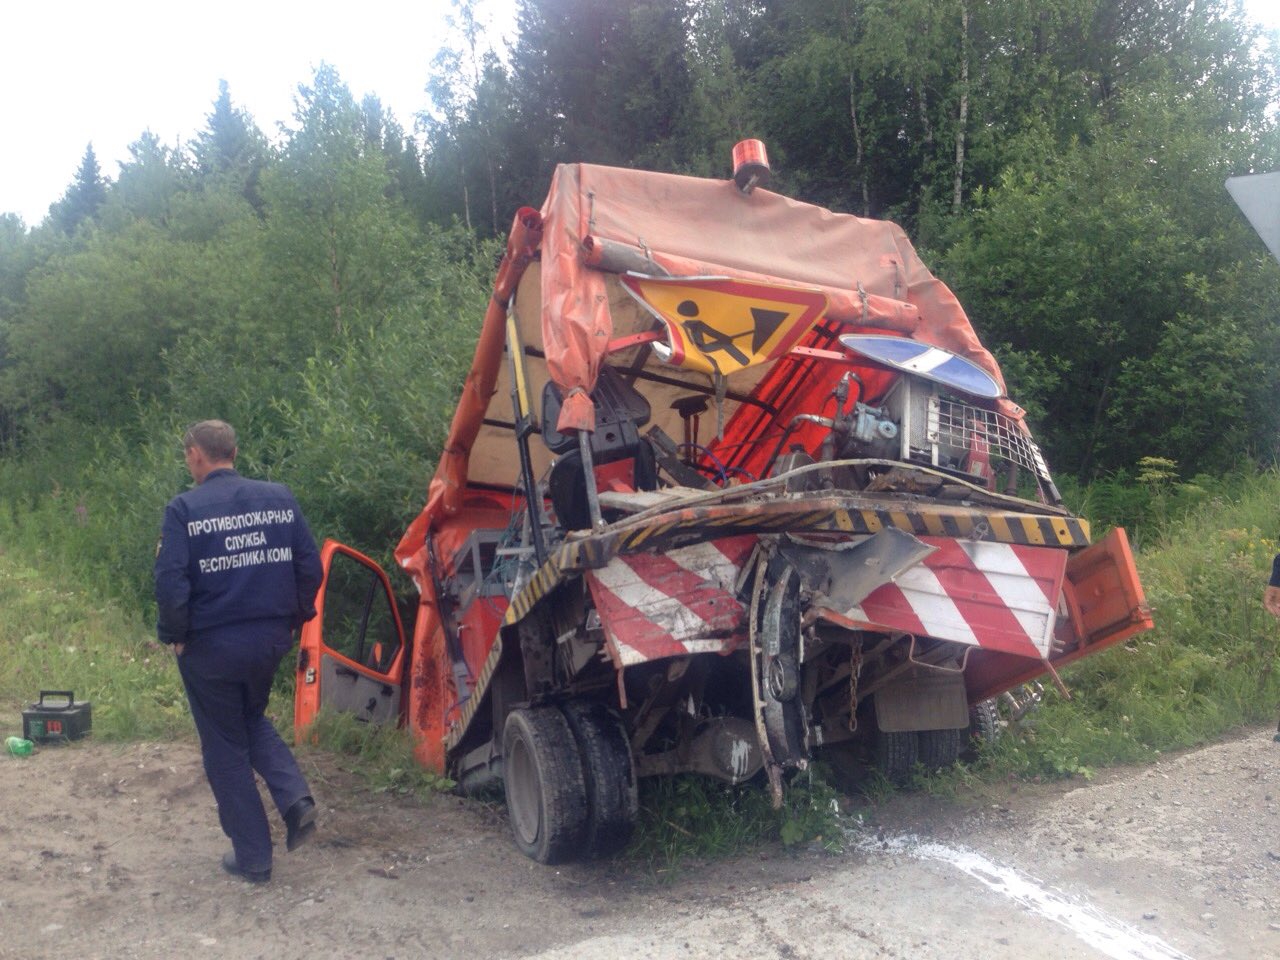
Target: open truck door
351,654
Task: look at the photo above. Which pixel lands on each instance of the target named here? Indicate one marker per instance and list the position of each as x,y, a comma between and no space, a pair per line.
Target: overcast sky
73,72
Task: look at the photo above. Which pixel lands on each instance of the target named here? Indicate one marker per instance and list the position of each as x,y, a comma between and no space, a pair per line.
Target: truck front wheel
545,789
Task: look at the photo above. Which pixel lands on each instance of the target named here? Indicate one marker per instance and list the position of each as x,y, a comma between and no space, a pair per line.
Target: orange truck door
351,655
1104,595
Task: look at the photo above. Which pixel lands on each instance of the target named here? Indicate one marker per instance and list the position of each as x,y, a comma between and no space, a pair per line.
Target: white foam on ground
1111,937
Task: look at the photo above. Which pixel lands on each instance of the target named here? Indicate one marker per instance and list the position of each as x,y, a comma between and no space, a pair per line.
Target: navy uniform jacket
233,550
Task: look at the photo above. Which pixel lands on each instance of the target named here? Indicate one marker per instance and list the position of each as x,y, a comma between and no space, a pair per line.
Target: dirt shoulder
113,852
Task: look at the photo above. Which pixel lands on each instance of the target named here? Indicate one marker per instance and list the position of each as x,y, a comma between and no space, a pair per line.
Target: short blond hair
215,438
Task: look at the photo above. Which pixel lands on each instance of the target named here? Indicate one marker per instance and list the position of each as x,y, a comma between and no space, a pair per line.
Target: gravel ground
112,852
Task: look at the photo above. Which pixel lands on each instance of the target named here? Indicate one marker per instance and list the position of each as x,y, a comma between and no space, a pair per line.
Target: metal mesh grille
958,425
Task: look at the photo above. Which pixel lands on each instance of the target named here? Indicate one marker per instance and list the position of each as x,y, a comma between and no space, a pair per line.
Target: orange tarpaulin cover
683,226
694,227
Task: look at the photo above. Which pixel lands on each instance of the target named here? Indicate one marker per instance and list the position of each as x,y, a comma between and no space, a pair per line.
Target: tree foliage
1059,162
1123,262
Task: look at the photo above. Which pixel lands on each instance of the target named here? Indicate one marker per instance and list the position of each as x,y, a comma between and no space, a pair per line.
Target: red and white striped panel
997,596
655,605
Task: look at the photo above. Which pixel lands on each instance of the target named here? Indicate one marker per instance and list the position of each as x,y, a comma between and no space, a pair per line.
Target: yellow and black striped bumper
680,526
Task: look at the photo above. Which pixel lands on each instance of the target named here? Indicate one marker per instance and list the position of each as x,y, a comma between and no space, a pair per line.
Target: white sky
72,72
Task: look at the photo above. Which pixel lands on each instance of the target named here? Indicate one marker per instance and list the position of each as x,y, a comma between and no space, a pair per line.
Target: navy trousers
228,672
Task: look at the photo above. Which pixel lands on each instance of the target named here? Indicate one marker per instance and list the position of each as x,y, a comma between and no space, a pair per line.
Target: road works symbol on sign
719,325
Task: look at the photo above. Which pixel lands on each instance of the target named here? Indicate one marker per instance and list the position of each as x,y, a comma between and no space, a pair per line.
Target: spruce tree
231,148
83,198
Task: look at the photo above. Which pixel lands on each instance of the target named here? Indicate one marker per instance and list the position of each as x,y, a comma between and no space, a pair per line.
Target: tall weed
1207,666
691,816
1146,500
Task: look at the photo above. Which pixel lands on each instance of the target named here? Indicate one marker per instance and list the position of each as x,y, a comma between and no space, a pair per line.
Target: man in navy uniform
236,573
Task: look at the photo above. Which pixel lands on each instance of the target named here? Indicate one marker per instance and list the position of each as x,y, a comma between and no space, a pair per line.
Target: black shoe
232,867
301,821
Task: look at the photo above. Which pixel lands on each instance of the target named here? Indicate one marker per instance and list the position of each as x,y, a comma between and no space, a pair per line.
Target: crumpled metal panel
655,605
846,576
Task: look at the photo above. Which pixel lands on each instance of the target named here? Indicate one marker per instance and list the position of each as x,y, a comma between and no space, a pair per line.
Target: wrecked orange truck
731,485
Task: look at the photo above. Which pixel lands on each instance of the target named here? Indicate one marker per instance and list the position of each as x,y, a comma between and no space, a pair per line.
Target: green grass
1208,666
57,636
383,755
695,817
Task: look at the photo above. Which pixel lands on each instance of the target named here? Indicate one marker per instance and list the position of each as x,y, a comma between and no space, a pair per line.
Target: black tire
613,799
984,728
542,778
896,755
939,749
847,763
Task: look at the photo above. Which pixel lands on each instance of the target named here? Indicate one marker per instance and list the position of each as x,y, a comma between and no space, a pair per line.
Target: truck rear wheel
545,789
613,798
939,749
896,754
